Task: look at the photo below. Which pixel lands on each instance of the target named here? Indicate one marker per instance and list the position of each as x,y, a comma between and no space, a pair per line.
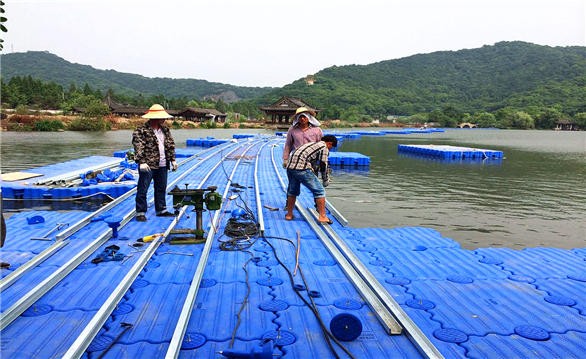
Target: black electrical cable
241,230
242,227
222,165
244,301
312,306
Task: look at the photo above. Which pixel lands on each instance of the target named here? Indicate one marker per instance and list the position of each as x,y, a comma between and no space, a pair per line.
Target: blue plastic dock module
348,159
408,131
369,133
205,142
48,184
179,152
243,135
451,152
483,303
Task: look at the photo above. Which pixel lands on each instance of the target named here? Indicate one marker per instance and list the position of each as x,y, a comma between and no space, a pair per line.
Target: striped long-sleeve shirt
306,156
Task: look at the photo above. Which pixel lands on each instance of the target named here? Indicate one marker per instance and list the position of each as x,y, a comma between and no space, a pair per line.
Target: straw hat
156,112
304,109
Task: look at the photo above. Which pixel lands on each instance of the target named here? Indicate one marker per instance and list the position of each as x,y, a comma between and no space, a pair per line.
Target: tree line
36,94
352,107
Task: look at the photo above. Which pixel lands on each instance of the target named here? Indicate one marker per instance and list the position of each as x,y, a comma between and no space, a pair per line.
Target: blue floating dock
205,142
243,135
408,131
282,291
369,133
47,181
179,152
451,152
348,159
344,135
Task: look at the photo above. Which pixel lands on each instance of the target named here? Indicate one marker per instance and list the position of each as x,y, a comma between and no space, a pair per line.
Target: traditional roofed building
202,114
284,109
566,125
124,110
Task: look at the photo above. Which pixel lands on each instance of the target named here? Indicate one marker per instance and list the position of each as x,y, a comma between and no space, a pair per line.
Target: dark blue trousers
159,177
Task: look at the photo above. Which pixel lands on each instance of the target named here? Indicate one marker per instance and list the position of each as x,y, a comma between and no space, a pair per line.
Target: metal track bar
87,219
336,213
259,215
91,330
183,321
418,338
37,292
39,258
75,174
384,316
82,342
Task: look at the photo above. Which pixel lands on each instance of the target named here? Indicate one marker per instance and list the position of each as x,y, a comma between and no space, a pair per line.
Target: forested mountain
48,67
507,74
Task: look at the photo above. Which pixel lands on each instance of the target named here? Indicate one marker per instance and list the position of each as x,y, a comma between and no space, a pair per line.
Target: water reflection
528,199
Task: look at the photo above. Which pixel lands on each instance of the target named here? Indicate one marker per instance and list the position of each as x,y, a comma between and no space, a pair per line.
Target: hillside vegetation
49,67
509,85
515,74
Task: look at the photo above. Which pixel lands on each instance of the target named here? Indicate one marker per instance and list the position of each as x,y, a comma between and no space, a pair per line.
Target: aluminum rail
79,346
424,345
345,257
82,342
42,288
39,258
69,176
183,321
384,316
336,213
9,315
259,215
66,233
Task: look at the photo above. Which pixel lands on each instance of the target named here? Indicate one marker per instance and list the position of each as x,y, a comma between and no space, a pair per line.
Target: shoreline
60,123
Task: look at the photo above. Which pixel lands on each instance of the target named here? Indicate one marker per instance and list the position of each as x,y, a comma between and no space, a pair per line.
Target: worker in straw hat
300,172
305,128
154,152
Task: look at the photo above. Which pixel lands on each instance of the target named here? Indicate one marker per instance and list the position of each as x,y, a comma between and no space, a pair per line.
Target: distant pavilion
282,111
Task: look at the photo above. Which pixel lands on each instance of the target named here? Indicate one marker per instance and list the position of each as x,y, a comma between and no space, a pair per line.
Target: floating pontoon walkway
263,287
451,152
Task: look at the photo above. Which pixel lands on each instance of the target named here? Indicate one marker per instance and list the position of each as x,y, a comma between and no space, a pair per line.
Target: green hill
48,67
515,74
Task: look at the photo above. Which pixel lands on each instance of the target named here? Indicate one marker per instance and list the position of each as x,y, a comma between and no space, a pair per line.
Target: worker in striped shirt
300,171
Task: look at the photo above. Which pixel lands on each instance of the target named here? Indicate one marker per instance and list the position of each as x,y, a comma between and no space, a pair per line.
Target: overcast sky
275,42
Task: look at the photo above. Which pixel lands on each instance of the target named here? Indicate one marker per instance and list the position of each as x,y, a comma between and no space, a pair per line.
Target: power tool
196,197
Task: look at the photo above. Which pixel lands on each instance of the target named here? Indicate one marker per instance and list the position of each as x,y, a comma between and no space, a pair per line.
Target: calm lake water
535,197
